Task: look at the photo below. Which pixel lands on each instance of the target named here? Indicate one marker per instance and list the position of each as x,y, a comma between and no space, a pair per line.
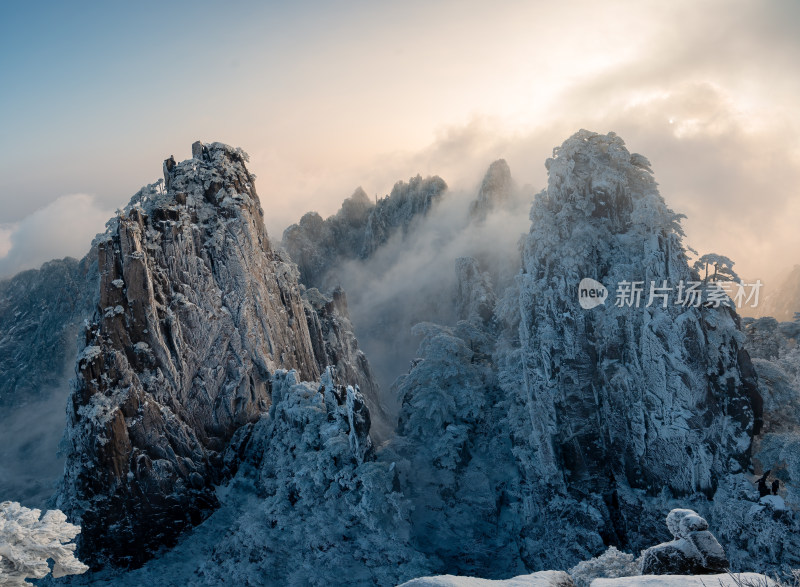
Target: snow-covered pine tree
720,266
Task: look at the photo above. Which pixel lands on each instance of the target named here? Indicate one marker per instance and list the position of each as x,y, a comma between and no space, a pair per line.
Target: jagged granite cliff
334,343
631,398
196,312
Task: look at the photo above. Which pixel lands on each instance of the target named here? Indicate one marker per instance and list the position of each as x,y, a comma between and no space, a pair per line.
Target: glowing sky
329,96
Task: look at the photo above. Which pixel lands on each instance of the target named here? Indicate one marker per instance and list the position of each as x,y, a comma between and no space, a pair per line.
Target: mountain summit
196,312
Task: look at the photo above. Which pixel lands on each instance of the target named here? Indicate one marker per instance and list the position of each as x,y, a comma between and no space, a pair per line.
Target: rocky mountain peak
496,189
620,390
195,313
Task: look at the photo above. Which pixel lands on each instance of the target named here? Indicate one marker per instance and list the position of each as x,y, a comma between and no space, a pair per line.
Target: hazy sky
329,96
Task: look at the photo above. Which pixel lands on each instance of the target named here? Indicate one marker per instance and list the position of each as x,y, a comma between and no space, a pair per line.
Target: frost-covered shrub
611,564
27,543
328,513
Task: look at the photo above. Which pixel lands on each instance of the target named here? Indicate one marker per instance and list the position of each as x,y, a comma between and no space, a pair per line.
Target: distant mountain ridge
41,312
783,302
358,229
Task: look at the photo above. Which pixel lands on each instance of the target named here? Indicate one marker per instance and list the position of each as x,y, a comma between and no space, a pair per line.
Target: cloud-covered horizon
63,228
369,95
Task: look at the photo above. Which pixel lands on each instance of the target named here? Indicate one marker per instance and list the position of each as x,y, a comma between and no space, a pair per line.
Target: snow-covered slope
723,580
540,579
555,579
329,511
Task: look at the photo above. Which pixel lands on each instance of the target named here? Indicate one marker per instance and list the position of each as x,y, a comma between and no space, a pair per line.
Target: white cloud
63,228
5,240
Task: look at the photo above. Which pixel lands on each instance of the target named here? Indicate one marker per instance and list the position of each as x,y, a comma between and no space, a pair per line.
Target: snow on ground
562,579
775,501
540,579
724,580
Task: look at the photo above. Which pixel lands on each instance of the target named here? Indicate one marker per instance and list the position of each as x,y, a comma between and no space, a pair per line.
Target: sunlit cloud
366,95
5,239
61,229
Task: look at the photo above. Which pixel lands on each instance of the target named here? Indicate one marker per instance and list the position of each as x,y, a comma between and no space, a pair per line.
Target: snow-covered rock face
694,551
776,358
195,313
407,202
648,397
